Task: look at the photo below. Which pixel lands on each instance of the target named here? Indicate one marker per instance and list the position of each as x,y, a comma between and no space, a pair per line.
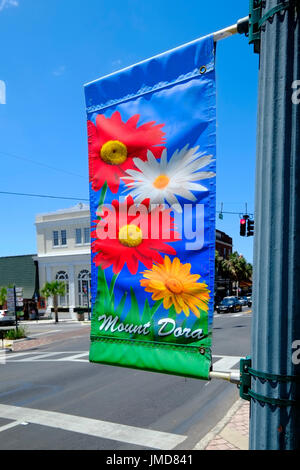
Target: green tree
219,264
54,289
3,296
237,268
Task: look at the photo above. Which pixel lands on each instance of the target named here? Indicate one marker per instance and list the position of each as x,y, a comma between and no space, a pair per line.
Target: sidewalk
231,433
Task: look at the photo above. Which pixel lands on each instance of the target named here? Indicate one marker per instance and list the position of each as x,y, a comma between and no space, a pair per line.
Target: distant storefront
22,271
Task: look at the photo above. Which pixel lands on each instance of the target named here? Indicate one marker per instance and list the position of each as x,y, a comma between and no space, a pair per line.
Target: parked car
6,318
243,300
229,304
249,302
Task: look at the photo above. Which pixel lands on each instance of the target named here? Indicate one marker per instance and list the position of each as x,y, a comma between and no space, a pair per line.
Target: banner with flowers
151,142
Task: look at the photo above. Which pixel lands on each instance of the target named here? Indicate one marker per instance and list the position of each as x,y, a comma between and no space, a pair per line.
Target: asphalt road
53,398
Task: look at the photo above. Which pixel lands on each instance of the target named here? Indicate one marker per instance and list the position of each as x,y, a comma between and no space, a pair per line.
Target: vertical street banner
152,144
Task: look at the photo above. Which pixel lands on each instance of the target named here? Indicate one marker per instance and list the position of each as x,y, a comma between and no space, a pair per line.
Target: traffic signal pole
275,364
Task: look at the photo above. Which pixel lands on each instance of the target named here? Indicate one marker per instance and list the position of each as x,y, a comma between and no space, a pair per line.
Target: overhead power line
83,199
44,196
45,165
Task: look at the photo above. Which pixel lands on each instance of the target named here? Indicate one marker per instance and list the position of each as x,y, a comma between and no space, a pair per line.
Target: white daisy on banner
163,180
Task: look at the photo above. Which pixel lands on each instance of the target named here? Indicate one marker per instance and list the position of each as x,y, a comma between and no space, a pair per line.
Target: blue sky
49,49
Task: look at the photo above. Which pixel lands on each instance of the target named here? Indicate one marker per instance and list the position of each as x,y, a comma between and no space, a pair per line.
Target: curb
46,321
220,426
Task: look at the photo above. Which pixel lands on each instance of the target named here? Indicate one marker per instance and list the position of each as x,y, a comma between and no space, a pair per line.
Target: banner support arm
233,377
241,27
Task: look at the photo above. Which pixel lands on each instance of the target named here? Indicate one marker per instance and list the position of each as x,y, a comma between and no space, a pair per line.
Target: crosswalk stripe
14,356
93,427
10,356
223,362
39,356
9,426
226,363
75,357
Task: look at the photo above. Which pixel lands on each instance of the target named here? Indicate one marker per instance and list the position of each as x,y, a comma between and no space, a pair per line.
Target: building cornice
42,259
63,222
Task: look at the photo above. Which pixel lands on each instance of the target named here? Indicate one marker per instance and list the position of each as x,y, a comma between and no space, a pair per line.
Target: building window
78,237
82,236
63,300
59,241
63,237
55,238
84,288
86,235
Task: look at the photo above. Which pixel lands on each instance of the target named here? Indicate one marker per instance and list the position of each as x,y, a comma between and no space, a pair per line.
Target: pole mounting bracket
246,372
256,20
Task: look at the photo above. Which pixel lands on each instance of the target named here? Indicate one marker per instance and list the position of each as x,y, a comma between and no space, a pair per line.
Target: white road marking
3,357
9,426
39,356
14,357
225,363
75,357
93,427
10,356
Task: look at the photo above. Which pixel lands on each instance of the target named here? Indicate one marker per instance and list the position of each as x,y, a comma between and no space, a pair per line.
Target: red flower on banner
129,233
113,144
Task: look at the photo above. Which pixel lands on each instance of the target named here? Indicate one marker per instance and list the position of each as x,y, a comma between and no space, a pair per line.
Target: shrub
13,334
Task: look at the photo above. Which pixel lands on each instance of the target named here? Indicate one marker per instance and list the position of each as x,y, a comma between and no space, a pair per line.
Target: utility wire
85,199
44,196
41,164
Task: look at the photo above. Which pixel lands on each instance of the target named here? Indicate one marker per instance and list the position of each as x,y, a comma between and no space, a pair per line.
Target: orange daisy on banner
173,282
113,144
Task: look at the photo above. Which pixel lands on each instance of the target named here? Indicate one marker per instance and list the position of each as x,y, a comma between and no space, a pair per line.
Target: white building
64,253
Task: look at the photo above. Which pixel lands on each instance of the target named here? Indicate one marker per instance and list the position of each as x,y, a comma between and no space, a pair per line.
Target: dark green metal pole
276,287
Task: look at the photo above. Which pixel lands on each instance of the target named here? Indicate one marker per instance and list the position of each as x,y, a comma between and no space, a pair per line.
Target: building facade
223,286
64,254
21,272
223,244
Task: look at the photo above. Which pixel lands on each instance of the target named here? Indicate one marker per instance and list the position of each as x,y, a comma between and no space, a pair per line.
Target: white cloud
59,71
8,3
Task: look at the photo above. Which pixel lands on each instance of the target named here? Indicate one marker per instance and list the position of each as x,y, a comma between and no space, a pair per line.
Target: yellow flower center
114,152
130,235
174,285
161,182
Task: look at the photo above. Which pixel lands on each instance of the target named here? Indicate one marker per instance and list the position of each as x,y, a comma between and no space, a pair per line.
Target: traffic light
250,228
243,227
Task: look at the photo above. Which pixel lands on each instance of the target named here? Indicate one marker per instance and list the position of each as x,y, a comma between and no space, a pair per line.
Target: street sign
12,303
19,296
11,300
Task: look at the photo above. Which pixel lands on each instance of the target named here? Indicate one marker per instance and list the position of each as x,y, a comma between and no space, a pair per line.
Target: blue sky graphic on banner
152,166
